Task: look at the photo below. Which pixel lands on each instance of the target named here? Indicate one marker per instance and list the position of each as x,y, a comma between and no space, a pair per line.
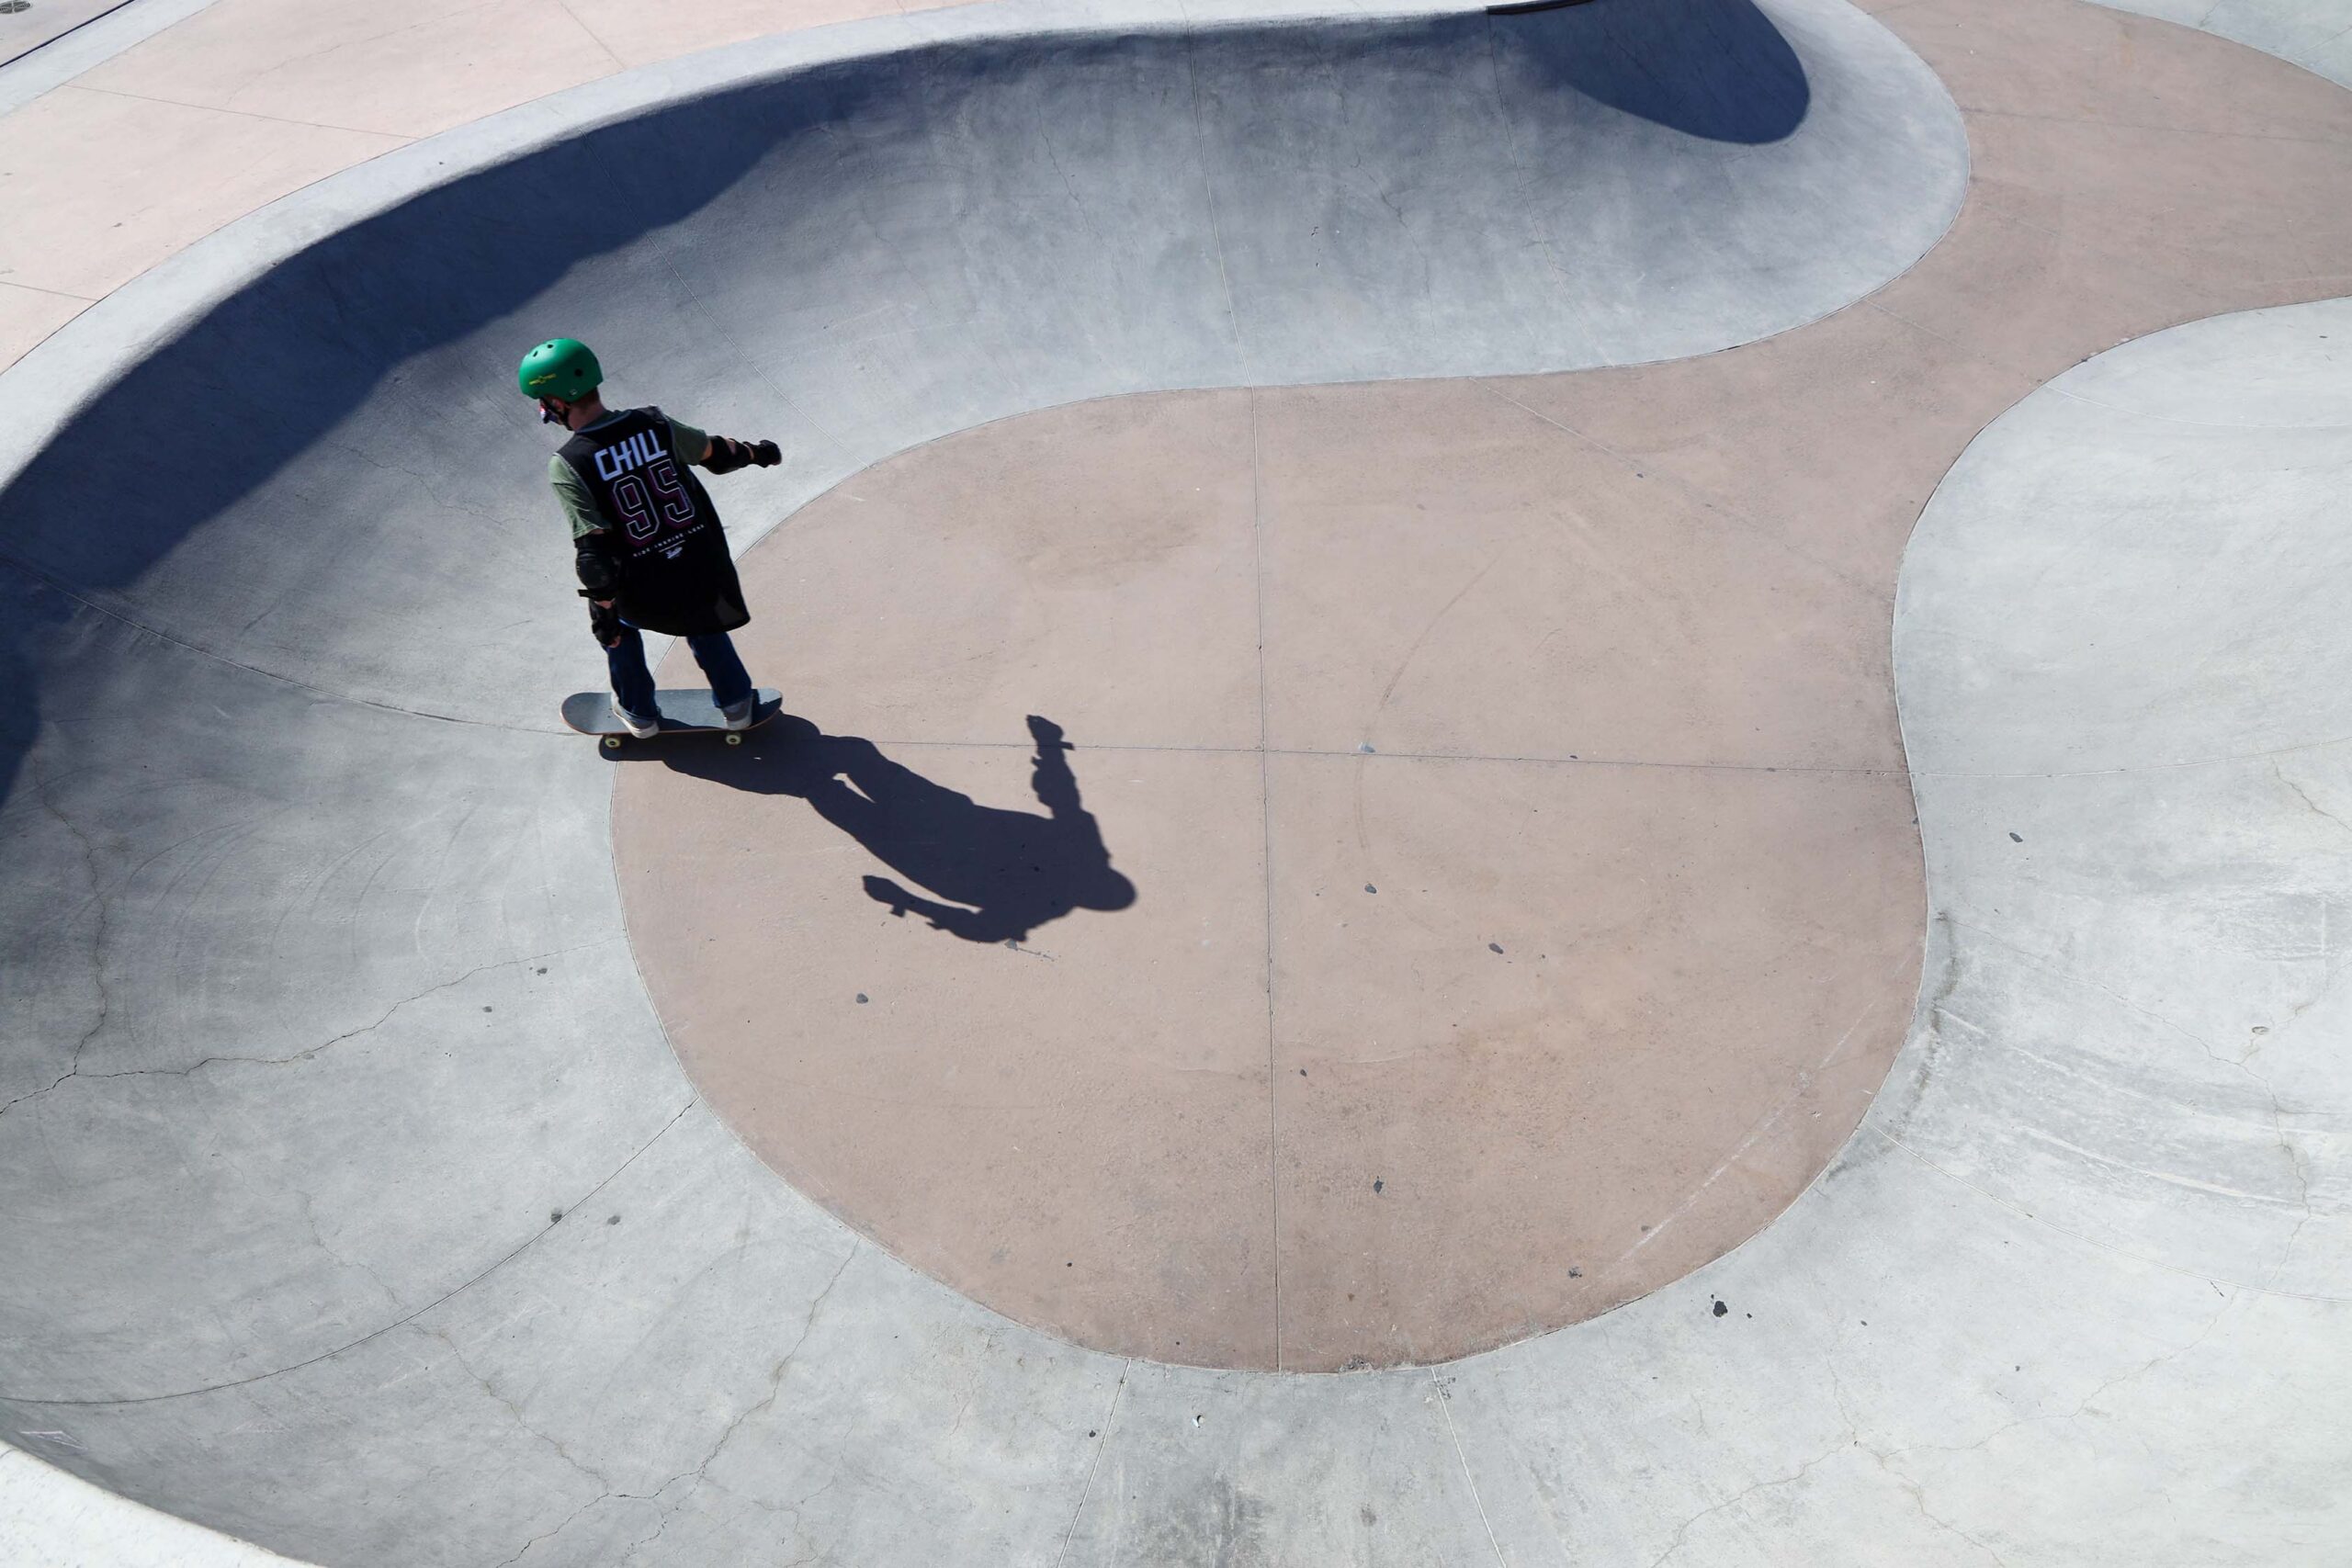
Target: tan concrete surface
1647,917
983,1107
247,100
1533,1110
1450,572
96,187
640,32
1597,1024
404,70
28,315
1031,595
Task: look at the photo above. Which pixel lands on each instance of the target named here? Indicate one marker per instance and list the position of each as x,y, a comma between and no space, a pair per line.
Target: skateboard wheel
734,740
612,742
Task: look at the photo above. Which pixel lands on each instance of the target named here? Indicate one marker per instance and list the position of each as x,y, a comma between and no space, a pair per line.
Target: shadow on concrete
997,875
1744,85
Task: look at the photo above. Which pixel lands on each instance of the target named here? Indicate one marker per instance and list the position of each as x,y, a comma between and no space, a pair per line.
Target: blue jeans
633,682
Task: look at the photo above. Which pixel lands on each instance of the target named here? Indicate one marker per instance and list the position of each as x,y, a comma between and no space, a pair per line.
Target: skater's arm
594,557
572,494
721,454
692,445
727,455
596,560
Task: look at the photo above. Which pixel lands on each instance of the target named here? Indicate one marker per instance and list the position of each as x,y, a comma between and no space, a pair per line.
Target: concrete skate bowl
356,1201
859,254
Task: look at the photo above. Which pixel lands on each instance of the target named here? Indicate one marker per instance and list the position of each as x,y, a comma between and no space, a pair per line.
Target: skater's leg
632,682
723,667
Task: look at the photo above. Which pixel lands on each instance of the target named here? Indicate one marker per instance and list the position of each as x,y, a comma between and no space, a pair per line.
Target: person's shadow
996,875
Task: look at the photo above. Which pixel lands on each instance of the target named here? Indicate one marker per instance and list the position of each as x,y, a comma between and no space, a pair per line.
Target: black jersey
676,575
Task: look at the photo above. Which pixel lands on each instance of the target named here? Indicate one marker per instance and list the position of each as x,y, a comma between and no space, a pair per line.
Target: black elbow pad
727,455
599,571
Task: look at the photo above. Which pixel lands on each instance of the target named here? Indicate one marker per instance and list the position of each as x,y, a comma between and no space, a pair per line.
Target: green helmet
561,367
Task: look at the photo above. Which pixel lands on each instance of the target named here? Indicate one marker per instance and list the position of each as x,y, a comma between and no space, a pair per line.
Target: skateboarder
650,548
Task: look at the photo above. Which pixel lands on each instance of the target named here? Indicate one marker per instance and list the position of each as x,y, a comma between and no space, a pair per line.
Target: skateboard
591,713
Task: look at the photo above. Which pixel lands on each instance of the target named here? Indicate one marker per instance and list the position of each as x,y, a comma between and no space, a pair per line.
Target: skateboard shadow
995,875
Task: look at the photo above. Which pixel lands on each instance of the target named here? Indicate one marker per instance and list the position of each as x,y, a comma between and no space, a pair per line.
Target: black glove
603,622
766,454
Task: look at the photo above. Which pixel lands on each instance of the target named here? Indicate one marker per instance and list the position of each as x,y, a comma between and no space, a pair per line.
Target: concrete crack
565,1524
1445,1397
429,483
2080,1407
516,1410
695,1471
1101,1442
454,1291
1682,1533
1208,191
2278,771
2049,965
35,1094
319,1239
2094,1243
97,939
2297,1165
308,1053
1916,1492
775,1378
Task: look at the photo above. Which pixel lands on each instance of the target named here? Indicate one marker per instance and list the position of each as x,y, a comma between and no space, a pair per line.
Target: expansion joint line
1266,867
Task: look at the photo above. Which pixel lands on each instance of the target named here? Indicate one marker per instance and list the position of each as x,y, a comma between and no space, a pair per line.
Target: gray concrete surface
355,1204
58,1520
2313,34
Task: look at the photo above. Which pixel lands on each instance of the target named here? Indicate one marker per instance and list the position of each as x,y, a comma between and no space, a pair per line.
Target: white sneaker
738,715
640,727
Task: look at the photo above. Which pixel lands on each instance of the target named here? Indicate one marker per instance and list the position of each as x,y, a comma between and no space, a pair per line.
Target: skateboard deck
591,713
